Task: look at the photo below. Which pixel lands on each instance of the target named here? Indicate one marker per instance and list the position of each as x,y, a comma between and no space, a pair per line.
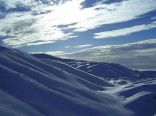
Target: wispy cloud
101,14
83,46
41,21
54,53
124,31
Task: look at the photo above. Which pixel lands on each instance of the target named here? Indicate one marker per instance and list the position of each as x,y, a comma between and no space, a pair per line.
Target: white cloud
28,30
114,13
124,31
48,18
83,46
54,53
79,46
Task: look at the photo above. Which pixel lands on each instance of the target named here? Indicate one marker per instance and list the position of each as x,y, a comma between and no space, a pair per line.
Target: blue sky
118,31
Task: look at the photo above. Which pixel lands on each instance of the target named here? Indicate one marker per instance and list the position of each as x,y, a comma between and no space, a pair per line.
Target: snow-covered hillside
103,69
42,85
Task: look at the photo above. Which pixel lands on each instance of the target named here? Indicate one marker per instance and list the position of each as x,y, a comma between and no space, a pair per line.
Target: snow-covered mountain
102,69
42,85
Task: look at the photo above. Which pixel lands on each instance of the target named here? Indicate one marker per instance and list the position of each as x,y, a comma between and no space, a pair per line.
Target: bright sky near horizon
118,31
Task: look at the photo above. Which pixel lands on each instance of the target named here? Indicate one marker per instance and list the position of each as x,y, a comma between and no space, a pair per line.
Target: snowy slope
101,69
42,85
136,90
139,96
30,86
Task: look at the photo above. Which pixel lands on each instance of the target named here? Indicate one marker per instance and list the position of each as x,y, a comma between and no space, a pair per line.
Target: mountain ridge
110,70
31,85
51,91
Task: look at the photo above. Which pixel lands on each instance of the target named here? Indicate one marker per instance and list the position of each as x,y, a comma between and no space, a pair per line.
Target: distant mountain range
44,85
102,69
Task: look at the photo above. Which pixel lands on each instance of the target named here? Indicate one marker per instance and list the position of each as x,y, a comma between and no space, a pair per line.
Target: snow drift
43,85
30,86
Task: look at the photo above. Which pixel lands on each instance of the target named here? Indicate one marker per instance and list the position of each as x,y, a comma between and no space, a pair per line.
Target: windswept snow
52,89
42,85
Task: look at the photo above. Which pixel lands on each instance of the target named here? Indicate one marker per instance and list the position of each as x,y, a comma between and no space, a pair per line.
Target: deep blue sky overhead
119,31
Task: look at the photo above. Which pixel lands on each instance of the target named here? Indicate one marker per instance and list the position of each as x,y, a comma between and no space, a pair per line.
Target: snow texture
43,85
